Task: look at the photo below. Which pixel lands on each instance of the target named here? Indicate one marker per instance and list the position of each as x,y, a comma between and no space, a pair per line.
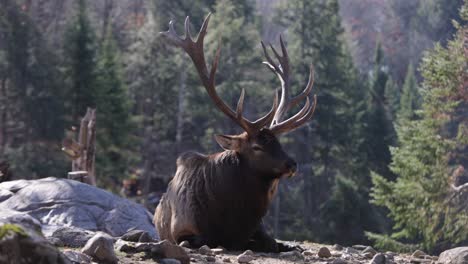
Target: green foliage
392,97
346,212
115,140
80,65
420,201
410,99
386,243
10,229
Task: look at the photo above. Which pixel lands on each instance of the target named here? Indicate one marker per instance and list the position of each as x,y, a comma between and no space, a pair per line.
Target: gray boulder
457,255
101,248
21,241
61,202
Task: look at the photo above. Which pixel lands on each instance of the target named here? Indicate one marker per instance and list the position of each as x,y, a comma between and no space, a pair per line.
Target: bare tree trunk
82,152
181,107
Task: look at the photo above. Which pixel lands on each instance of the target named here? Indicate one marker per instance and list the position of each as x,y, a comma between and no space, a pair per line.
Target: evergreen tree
115,141
80,64
392,97
379,126
329,147
410,98
426,155
31,84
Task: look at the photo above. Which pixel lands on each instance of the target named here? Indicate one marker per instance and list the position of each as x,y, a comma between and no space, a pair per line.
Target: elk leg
195,241
262,241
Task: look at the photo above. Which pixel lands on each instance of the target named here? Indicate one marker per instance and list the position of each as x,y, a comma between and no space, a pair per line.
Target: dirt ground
338,256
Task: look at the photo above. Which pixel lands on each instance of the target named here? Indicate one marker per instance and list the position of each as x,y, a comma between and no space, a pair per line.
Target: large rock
457,255
61,202
21,241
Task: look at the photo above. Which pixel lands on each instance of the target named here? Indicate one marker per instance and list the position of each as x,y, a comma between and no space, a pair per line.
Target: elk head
258,143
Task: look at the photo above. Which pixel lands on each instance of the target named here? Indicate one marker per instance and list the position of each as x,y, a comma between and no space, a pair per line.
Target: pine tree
31,85
115,141
410,98
428,151
80,64
331,147
392,97
379,126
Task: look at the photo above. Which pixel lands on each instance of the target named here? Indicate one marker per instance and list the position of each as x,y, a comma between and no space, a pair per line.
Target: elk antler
282,71
195,50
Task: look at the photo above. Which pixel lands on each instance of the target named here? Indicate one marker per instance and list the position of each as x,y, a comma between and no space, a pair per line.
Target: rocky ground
59,221
135,248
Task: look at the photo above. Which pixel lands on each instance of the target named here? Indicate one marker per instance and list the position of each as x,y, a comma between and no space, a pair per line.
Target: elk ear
228,142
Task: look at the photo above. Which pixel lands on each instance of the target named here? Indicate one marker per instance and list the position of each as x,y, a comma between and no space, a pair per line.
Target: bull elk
220,199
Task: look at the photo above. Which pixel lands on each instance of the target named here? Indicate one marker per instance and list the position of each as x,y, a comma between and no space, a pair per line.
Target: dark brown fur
220,199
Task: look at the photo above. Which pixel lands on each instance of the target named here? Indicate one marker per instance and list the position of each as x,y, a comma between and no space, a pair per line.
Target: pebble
418,254
169,261
218,250
308,253
324,252
378,259
205,250
210,259
337,247
359,247
101,248
350,250
227,260
185,244
291,255
368,255
248,252
370,250
339,261
243,258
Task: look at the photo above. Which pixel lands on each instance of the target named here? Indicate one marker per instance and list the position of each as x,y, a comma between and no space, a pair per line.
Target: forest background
382,162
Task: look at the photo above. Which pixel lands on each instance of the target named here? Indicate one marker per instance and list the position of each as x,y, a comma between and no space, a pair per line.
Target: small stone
378,259
210,259
308,253
370,250
205,250
169,261
337,247
248,252
350,250
227,260
218,250
77,257
291,255
324,252
420,261
101,248
185,244
166,249
368,255
359,247
137,236
418,254
243,258
124,246
339,261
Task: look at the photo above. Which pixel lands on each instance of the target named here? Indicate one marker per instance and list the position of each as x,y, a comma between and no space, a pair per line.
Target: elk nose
291,165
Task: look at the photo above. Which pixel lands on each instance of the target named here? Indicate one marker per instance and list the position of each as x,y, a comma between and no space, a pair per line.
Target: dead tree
82,153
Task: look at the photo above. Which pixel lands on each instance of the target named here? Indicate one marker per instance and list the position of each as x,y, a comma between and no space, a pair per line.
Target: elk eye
257,148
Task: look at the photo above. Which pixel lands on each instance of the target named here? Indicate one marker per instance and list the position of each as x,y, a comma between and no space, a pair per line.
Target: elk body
220,199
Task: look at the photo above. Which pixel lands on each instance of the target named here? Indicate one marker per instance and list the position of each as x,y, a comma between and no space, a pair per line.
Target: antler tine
310,83
196,53
290,126
282,71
